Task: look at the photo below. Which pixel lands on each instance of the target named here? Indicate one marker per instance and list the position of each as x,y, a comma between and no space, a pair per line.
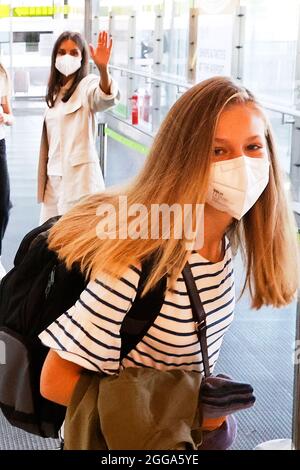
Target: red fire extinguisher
135,109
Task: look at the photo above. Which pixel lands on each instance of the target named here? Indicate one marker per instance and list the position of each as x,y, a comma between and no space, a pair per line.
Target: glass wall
271,34
28,32
183,42
176,37
270,54
216,40
140,23
150,37
166,39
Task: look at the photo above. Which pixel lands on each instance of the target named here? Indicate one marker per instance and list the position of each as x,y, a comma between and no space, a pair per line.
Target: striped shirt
89,332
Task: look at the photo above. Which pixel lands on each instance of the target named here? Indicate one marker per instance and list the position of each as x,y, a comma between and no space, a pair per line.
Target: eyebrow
72,50
253,137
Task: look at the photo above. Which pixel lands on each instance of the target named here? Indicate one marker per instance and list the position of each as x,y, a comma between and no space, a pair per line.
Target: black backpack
33,294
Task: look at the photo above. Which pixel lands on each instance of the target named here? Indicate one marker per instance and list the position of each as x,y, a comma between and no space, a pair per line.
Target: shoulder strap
198,314
143,311
31,236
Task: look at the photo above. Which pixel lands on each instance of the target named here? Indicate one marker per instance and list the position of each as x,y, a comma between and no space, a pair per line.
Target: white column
157,66
91,25
237,65
193,45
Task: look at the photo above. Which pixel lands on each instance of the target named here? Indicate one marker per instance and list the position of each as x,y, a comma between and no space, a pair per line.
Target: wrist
103,69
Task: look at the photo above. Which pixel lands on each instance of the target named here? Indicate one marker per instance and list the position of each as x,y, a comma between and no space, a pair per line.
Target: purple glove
220,396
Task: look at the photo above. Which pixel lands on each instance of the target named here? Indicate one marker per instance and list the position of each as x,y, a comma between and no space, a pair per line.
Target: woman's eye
254,147
219,151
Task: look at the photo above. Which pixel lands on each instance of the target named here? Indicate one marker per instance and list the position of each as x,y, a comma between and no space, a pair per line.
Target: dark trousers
5,204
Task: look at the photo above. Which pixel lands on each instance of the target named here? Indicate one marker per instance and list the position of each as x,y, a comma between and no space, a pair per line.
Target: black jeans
5,203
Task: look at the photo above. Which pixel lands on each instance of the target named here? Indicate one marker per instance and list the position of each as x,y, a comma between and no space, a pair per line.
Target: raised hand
101,53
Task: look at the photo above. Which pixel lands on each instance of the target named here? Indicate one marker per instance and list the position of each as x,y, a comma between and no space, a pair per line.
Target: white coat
81,173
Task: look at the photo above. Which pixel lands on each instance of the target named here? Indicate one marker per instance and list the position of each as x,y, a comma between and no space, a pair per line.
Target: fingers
103,40
100,38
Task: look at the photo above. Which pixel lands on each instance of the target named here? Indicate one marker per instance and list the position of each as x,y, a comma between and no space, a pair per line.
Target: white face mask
67,64
236,184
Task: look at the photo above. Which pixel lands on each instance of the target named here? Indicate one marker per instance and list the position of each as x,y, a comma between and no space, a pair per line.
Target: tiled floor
258,349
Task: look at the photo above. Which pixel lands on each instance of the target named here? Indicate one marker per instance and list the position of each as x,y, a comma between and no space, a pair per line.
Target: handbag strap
199,315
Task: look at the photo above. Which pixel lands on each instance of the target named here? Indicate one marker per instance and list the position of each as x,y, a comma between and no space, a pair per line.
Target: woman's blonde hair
177,172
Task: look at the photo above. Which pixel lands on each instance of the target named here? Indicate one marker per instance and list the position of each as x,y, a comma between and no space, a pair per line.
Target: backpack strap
199,315
31,236
143,311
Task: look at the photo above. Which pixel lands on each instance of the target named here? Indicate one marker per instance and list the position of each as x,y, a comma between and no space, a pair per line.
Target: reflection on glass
215,45
176,36
150,37
270,48
283,135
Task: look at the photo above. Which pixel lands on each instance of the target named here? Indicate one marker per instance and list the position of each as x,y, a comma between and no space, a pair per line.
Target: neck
215,225
66,80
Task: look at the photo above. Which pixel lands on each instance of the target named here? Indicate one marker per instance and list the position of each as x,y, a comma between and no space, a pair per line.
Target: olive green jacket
139,409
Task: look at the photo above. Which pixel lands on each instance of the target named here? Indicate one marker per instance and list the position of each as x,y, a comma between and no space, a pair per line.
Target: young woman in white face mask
215,147
68,163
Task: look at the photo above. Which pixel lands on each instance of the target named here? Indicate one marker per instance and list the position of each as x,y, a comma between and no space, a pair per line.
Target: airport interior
161,48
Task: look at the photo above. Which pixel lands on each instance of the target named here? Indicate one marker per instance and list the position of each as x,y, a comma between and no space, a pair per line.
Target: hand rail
155,78
277,108
284,110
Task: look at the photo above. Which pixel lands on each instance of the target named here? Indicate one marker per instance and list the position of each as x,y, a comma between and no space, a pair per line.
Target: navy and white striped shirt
89,332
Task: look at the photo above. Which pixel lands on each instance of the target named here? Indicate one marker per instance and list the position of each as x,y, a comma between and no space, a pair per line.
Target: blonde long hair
177,172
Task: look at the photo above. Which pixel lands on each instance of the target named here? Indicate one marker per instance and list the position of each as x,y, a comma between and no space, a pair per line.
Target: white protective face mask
67,64
236,184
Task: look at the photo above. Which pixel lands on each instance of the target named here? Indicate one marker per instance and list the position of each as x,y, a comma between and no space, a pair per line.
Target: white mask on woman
67,64
236,184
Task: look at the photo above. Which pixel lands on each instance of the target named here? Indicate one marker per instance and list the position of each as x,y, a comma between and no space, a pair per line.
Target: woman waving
68,164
